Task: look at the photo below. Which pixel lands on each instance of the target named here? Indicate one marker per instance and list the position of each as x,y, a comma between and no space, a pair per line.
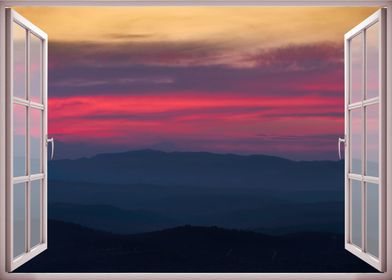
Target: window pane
35,69
372,140
372,216
36,140
356,66
35,204
356,214
19,140
19,218
372,60
356,140
19,61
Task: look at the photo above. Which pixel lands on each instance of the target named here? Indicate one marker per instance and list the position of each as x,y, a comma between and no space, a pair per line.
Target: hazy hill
200,169
268,218
146,190
109,218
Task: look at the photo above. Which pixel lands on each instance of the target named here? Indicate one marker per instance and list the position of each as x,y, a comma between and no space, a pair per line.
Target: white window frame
12,262
380,180
191,276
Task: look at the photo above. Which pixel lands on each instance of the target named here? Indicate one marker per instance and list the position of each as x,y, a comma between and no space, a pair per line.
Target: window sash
360,30
14,262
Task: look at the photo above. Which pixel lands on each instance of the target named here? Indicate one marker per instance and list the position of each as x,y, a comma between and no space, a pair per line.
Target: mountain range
146,190
200,169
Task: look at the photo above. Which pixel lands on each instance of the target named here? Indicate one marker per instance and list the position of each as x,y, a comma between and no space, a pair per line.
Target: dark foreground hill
73,248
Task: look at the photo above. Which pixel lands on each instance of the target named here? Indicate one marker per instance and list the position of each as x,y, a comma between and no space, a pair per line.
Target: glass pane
372,140
19,219
35,68
35,204
19,140
356,214
356,66
372,60
19,52
36,140
372,216
356,140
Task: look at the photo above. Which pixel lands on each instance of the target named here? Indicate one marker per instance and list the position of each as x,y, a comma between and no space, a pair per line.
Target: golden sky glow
259,26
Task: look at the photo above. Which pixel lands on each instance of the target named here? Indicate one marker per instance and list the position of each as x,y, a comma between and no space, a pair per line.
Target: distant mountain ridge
199,169
147,190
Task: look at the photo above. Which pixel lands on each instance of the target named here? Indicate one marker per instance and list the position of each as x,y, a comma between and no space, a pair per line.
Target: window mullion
382,143
28,185
363,152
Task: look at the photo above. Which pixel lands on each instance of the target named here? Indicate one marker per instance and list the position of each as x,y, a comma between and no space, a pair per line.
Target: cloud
120,54
130,36
192,53
80,83
227,79
302,57
289,94
183,119
194,103
277,72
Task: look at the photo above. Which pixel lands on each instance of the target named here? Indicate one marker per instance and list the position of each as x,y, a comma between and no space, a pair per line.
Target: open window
26,139
365,138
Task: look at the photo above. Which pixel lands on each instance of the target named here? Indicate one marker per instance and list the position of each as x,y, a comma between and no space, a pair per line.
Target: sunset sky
248,80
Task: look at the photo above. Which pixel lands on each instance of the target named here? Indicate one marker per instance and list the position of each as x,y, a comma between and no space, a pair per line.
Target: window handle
340,141
50,140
